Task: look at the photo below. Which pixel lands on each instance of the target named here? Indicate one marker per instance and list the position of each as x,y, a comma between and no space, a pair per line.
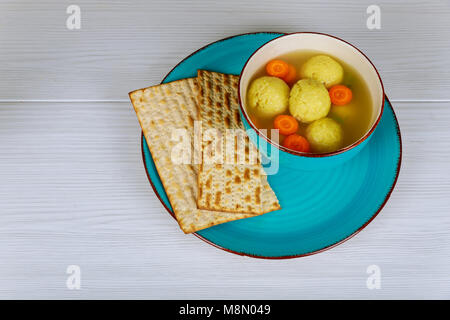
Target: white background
73,189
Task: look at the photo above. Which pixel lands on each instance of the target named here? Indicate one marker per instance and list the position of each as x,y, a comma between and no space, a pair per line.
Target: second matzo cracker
231,186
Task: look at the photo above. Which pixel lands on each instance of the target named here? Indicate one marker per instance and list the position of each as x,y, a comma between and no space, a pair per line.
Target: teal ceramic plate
320,209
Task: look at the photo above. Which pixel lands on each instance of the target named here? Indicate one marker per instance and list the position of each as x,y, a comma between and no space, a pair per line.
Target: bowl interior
322,43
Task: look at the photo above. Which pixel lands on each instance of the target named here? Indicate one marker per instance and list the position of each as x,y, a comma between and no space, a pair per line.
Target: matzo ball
309,100
324,69
324,135
268,96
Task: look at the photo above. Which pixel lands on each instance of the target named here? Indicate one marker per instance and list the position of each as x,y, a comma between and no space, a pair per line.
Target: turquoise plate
320,209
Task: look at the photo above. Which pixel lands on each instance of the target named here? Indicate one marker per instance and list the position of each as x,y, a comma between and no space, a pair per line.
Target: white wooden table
73,190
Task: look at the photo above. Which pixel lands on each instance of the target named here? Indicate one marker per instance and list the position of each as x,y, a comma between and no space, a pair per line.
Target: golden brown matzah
160,109
224,185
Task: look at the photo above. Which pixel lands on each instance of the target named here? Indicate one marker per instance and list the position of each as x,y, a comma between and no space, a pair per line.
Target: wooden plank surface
123,45
73,192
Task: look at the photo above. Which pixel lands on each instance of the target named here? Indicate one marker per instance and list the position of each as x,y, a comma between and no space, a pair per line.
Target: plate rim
331,246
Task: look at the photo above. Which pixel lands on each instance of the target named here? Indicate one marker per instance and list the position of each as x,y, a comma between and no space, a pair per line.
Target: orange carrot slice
277,68
340,95
291,76
286,124
296,142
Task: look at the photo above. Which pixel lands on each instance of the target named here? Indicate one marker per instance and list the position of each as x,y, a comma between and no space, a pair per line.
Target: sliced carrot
277,68
286,124
296,142
340,95
291,75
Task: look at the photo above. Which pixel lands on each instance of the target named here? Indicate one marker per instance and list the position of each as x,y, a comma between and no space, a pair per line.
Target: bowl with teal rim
326,44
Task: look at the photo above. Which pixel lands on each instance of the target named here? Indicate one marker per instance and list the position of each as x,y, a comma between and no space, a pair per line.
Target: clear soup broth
354,117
